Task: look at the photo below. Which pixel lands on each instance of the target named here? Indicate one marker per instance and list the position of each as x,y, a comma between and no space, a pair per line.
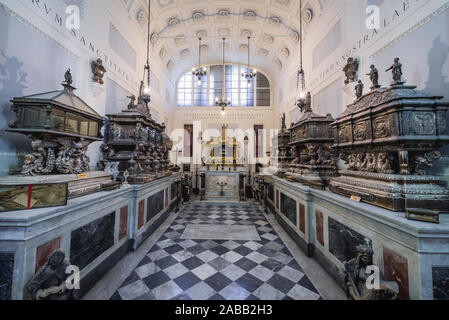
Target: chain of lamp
201,71
301,79
145,95
248,74
223,102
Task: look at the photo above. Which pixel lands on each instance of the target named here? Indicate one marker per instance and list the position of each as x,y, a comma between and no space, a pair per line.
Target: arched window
242,94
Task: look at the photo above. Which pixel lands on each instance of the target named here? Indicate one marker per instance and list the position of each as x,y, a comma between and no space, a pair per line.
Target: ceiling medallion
223,32
154,37
185,53
180,39
197,15
250,14
246,33
223,12
170,65
295,35
163,53
173,21
243,47
141,16
308,15
201,34
275,20
268,39
262,52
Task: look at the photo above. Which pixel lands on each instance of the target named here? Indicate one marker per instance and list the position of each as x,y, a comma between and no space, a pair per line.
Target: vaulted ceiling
272,24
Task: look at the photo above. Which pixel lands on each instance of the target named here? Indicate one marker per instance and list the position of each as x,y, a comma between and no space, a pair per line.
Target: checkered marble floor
207,269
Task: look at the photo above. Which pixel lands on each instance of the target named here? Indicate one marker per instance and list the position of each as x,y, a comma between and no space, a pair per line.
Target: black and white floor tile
187,269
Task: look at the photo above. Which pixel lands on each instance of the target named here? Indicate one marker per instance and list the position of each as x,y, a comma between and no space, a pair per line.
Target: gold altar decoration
223,150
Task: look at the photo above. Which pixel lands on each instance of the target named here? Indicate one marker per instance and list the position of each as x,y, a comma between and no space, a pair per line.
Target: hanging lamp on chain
249,74
201,71
302,100
145,88
223,102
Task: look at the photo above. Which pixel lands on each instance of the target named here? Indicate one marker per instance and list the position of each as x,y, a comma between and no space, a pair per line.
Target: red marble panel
43,252
396,269
277,199
302,218
123,223
319,227
141,215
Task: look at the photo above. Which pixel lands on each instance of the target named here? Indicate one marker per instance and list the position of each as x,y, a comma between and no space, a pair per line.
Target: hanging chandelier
223,103
248,74
301,78
201,71
145,88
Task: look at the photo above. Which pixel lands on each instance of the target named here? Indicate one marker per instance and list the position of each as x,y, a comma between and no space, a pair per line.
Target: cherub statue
374,76
397,72
383,163
131,102
351,69
49,283
356,277
98,70
359,89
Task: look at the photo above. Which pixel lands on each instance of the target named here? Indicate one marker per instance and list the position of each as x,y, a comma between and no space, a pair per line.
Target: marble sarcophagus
137,144
389,139
61,126
311,141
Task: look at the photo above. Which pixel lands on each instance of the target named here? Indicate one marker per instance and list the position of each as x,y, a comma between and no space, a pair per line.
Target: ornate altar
311,141
389,139
223,151
284,154
61,127
138,144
